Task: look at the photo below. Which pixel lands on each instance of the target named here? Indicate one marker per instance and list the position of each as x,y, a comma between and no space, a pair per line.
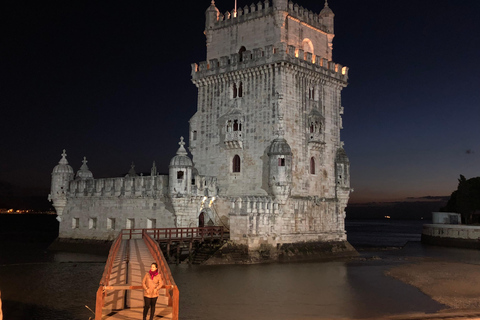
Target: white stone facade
267,159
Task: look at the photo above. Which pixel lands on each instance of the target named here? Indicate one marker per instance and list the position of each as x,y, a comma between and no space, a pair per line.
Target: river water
37,284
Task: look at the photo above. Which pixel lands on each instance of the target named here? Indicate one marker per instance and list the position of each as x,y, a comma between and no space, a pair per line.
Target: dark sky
110,80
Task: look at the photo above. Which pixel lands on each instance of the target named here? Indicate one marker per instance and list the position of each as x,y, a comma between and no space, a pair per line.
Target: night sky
110,80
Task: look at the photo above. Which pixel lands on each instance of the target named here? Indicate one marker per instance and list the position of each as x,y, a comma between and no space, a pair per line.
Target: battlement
255,11
266,55
141,186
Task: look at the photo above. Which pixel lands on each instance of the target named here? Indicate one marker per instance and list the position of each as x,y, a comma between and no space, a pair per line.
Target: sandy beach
454,284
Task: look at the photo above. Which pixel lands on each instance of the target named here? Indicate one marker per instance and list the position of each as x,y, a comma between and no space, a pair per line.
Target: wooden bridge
120,293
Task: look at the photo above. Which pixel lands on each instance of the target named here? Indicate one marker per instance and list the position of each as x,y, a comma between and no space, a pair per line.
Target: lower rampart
452,235
232,253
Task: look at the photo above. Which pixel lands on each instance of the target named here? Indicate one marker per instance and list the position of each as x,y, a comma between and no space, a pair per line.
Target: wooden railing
200,233
169,234
163,268
169,284
101,292
151,238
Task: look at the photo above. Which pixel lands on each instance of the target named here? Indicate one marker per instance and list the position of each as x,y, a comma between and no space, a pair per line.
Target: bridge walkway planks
131,263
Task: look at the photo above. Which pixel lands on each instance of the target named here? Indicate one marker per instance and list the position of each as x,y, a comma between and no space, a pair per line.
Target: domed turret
280,169
211,15
342,169
181,159
131,173
62,174
327,16
63,167
279,146
180,172
84,173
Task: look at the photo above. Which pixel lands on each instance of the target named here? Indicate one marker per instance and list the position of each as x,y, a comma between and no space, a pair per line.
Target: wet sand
454,284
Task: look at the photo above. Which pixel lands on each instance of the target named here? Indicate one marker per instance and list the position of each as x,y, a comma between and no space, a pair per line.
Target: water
37,284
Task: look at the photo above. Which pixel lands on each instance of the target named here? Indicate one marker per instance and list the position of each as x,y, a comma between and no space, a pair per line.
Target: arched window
201,220
312,165
240,90
307,46
234,90
236,163
240,53
237,126
179,175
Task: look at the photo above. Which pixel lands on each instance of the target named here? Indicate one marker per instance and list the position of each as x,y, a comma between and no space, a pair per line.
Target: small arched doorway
201,220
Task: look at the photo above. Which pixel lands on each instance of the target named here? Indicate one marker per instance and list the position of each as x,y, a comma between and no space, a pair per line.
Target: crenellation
269,54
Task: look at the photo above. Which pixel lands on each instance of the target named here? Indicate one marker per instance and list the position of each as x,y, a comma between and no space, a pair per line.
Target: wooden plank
139,263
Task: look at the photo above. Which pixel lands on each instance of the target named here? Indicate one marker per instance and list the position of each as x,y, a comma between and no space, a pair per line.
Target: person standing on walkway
152,282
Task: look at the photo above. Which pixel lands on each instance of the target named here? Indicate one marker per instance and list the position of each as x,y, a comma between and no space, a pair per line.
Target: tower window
92,223
151,223
240,90
237,126
312,165
234,90
194,135
281,162
236,163
179,175
240,53
130,223
233,125
111,223
75,223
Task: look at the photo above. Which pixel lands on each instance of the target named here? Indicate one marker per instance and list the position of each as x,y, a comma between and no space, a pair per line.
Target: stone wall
452,235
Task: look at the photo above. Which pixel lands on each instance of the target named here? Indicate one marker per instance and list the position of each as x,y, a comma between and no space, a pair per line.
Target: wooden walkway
130,265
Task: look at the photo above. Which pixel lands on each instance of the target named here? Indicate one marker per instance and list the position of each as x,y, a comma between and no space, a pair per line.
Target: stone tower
62,174
268,123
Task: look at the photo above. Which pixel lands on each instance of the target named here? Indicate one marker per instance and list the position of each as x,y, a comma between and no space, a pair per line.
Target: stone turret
84,173
280,169
132,173
211,16
62,174
180,172
327,16
280,5
342,168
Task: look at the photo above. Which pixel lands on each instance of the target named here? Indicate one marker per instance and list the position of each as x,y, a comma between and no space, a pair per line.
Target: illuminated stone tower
62,174
268,123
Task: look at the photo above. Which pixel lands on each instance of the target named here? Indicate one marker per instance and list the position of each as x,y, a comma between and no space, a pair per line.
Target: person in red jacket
152,282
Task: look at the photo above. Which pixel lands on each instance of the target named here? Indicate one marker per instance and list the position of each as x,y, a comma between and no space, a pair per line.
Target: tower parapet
269,54
323,22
